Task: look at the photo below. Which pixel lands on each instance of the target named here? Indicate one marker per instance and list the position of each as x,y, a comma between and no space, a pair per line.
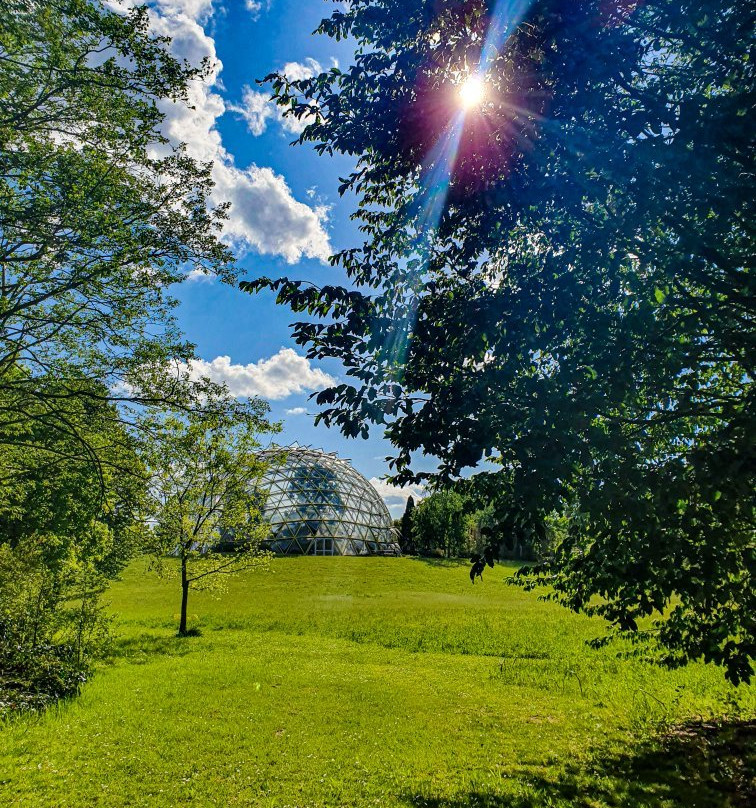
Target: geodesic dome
317,504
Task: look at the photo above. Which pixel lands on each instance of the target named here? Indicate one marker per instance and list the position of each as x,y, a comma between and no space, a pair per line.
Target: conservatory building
317,504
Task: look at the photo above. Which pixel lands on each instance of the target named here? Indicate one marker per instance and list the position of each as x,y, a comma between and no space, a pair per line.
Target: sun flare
472,92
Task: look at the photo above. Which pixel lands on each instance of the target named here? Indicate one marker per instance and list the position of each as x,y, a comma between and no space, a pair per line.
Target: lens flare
429,204
472,92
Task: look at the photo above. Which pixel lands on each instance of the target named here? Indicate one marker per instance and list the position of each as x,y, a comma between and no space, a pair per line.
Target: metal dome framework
317,504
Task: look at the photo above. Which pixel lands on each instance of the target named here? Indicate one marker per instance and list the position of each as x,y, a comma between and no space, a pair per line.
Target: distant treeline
464,519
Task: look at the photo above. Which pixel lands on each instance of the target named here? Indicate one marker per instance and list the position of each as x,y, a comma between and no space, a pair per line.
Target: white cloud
396,496
256,6
257,108
296,411
296,71
200,10
294,126
283,374
264,214
198,276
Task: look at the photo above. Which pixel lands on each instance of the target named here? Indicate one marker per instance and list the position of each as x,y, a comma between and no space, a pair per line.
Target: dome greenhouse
317,504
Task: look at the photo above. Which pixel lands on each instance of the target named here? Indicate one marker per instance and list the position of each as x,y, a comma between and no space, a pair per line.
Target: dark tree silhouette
407,542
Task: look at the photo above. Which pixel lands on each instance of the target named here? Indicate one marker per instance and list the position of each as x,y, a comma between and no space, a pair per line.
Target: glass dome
317,504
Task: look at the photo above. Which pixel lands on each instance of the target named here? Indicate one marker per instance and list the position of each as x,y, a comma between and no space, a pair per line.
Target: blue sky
286,215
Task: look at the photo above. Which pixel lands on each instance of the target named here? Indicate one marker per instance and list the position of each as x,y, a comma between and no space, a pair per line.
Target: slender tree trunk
184,596
37,613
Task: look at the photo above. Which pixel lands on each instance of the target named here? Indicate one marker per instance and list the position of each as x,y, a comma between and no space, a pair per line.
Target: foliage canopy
558,281
99,213
68,524
99,216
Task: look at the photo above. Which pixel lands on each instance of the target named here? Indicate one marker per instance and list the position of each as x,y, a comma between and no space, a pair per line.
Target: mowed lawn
364,682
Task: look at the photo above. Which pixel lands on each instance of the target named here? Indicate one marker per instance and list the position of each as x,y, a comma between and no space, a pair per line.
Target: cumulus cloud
283,374
257,109
296,411
200,10
264,214
296,71
396,496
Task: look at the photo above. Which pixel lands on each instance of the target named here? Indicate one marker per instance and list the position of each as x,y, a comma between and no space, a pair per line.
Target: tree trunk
184,597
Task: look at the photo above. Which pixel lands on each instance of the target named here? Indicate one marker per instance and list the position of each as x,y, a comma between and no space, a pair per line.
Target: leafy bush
34,676
51,626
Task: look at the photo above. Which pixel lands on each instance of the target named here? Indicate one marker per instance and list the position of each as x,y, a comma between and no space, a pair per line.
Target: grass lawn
372,682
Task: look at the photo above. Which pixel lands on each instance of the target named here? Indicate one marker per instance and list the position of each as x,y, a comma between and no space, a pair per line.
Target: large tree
70,518
99,216
557,278
99,213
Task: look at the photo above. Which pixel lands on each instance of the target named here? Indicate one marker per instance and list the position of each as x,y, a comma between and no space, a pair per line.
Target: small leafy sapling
206,496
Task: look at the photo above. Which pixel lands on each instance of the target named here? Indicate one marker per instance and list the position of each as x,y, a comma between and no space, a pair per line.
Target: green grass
366,682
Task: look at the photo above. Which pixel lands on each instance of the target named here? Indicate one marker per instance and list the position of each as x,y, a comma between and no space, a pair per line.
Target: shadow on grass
444,563
145,646
693,766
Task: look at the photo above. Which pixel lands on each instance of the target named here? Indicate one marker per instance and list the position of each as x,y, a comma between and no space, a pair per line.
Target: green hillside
368,682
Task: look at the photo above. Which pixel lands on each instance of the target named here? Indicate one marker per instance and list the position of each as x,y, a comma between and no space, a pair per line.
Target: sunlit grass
353,682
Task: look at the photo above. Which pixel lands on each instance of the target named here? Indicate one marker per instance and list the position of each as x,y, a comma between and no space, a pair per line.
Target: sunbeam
438,167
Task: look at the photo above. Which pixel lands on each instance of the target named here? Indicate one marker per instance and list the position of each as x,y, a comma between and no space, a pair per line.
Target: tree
405,528
99,214
440,523
504,524
558,280
205,473
68,525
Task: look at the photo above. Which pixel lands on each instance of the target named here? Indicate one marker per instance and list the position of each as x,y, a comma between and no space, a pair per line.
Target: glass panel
316,494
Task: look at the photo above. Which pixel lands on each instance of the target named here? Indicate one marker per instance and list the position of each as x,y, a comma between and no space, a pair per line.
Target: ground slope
371,682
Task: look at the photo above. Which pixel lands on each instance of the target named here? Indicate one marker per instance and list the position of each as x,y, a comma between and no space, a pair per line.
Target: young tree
205,473
557,278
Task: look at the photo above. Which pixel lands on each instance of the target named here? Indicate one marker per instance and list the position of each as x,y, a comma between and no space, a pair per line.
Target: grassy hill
372,682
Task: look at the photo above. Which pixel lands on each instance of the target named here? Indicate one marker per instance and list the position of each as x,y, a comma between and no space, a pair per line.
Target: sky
286,216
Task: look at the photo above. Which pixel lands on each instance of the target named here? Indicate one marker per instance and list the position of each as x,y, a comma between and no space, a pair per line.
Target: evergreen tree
405,534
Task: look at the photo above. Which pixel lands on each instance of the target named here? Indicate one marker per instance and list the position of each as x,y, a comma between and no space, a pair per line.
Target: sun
472,91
